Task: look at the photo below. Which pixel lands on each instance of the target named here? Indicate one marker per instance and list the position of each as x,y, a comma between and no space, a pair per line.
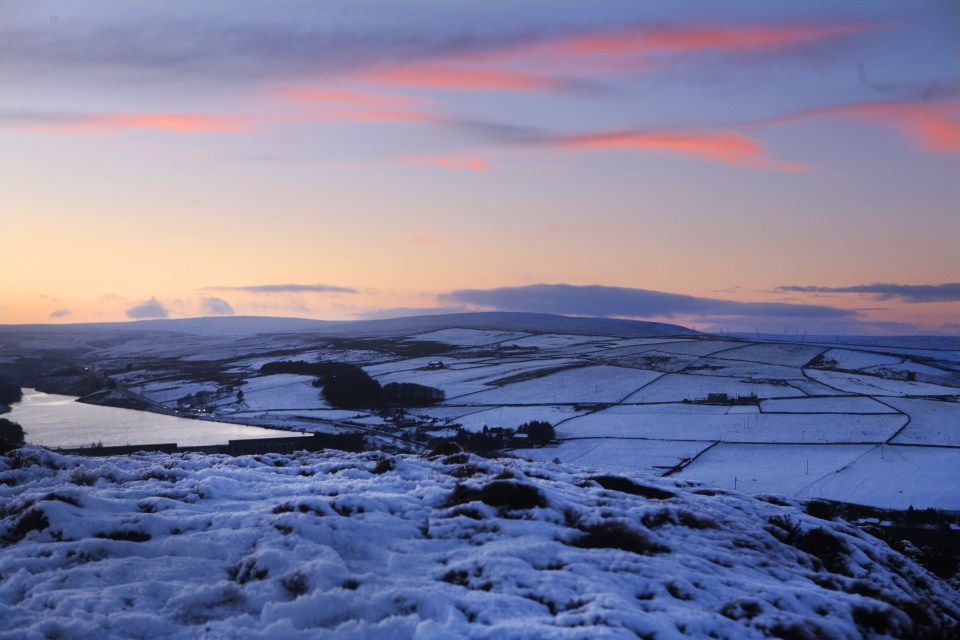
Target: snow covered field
335,545
616,400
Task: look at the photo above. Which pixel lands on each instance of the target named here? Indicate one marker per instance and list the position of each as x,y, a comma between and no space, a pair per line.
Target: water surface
58,421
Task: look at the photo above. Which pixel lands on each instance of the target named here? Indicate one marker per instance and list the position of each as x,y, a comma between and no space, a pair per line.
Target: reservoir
57,421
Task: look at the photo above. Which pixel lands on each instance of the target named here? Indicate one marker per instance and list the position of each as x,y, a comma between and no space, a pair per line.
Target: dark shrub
296,584
387,464
501,494
32,520
827,548
613,534
11,436
409,394
821,509
623,485
538,431
9,392
126,536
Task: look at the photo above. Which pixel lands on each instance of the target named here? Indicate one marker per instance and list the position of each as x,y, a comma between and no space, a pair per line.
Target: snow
733,426
834,404
458,380
322,546
775,469
619,455
897,477
513,417
853,360
790,355
931,421
674,387
721,366
280,391
469,337
875,386
583,385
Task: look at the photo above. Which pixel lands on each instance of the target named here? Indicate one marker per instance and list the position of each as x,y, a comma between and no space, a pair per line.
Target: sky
739,166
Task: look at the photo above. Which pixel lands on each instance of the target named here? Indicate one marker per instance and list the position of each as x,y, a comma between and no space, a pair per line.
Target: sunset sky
732,166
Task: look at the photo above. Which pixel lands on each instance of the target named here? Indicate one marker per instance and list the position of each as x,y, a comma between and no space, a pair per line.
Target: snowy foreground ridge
334,545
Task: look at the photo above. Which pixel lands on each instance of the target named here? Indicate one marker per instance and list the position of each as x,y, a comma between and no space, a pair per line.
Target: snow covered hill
334,545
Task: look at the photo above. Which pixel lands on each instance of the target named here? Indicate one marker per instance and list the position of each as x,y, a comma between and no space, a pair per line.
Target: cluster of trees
409,394
9,392
538,432
11,436
347,386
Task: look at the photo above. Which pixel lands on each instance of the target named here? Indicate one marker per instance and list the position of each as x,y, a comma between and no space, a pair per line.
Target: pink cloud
467,162
931,127
177,122
725,148
444,75
740,38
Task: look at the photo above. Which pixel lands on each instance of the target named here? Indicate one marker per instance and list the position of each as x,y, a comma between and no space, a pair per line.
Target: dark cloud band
947,292
596,300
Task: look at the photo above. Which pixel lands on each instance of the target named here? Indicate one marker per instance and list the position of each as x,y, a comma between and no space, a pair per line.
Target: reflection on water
55,421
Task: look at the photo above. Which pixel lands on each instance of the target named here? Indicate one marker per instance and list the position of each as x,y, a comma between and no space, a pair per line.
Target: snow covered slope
333,545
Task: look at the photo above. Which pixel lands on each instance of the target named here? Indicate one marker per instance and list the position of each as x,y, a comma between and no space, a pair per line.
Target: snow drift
335,545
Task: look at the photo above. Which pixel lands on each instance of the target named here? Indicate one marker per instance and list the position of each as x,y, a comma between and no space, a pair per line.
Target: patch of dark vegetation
741,609
409,394
624,485
245,571
129,535
677,517
823,509
392,347
467,512
384,465
11,436
827,548
613,534
32,520
457,458
538,373
445,448
539,432
347,386
469,471
459,577
501,494
59,497
10,392
296,584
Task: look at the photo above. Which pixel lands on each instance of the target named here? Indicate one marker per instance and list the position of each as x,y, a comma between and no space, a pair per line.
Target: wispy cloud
932,127
152,308
948,292
60,313
210,306
463,161
726,147
71,123
596,300
285,288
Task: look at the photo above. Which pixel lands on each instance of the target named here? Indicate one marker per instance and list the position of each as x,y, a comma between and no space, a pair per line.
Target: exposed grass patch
624,485
613,534
501,494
